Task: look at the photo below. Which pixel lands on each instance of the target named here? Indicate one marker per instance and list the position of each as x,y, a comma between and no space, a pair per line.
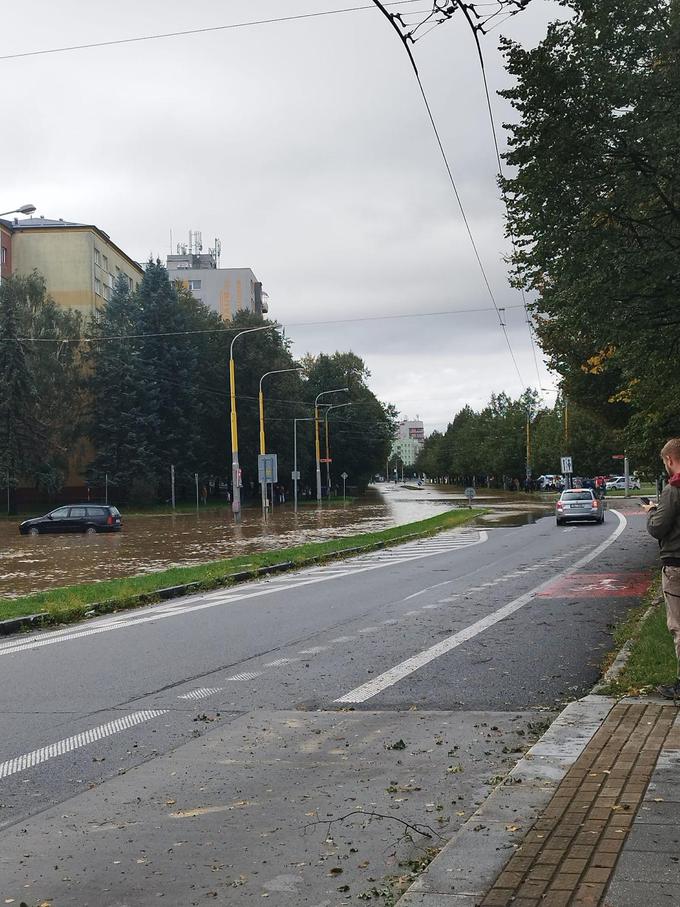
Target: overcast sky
305,147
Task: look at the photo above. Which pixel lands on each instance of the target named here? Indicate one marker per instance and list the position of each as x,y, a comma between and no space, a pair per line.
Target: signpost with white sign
470,494
343,476
567,470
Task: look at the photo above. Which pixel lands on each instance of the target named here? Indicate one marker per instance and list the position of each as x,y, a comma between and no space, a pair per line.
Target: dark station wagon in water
88,518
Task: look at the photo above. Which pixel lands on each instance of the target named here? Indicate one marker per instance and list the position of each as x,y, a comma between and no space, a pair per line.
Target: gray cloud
306,148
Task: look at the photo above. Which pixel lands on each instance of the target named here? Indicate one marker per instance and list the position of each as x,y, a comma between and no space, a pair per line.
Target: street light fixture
235,470
329,407
24,209
263,447
337,390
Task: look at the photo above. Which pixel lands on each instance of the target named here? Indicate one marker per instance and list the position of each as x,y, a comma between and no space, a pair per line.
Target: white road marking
430,607
400,555
343,639
278,662
369,630
315,650
68,744
201,693
246,675
400,671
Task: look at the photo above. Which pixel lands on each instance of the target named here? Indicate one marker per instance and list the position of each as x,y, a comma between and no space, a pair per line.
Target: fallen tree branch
425,830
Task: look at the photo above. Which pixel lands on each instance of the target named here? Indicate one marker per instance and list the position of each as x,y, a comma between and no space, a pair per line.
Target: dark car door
55,521
76,520
96,516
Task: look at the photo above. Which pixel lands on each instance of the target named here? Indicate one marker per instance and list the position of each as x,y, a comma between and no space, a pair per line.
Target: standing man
663,523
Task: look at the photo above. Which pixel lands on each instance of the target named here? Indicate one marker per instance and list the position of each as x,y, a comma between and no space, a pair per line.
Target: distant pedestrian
663,523
204,495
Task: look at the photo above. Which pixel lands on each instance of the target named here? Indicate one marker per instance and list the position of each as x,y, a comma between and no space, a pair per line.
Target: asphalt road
180,751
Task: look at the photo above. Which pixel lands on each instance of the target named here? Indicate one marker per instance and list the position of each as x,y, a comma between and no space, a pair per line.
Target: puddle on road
155,542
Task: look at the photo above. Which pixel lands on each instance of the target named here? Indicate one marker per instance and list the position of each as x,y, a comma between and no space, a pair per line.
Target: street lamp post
235,470
295,469
329,407
263,446
337,390
24,209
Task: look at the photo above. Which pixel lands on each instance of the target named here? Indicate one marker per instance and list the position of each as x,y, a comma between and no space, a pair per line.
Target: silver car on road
579,504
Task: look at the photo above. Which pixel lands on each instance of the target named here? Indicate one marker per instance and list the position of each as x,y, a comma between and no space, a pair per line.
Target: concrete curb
469,864
96,609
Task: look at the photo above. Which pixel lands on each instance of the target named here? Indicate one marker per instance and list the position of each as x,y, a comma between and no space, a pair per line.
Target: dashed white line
315,650
246,675
343,639
201,693
278,662
367,630
68,744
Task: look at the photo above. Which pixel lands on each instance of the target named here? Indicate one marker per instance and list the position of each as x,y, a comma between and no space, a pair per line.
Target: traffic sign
470,493
295,475
618,456
567,466
343,476
267,469
325,459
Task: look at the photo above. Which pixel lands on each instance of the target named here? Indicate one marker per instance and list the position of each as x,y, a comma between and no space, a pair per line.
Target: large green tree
40,399
594,206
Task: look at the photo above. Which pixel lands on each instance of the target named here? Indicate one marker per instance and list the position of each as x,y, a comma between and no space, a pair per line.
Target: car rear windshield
115,511
577,496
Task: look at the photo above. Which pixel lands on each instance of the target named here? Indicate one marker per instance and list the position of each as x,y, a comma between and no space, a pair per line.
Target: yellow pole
262,445
328,465
236,496
232,397
318,452
566,421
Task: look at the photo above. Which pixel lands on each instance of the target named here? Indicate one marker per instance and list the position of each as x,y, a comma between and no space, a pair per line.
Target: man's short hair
671,449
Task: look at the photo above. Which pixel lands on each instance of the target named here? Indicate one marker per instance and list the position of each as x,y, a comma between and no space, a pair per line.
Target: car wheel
34,531
90,530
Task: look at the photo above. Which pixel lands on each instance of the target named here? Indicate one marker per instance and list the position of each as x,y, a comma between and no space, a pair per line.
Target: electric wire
494,133
233,330
199,31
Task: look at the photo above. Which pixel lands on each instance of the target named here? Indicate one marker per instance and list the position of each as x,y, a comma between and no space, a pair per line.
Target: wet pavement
158,541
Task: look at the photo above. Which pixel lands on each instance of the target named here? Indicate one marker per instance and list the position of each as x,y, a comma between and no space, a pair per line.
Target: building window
97,257
107,293
98,286
106,264
4,255
194,284
117,270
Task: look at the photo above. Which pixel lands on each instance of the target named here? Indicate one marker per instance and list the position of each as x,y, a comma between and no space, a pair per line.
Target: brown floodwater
155,542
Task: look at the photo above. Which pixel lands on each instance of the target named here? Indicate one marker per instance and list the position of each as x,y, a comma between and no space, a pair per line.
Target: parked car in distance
88,518
618,483
579,504
549,482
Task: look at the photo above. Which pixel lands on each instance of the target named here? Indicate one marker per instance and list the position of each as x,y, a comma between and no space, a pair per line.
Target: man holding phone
663,523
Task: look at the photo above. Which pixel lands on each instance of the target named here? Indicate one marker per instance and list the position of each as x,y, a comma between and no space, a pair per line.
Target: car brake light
595,505
559,505
109,520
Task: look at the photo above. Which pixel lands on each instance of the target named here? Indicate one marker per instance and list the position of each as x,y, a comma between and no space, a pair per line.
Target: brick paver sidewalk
571,851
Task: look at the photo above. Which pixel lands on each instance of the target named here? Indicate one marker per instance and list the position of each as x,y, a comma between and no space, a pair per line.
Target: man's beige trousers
670,584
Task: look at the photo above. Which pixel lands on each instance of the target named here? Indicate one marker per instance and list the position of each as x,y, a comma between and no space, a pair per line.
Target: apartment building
79,262
224,290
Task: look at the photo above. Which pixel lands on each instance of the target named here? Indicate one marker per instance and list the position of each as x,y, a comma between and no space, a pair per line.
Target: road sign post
567,469
470,494
343,476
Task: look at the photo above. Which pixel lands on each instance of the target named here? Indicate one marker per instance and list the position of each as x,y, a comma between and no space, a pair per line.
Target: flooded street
155,542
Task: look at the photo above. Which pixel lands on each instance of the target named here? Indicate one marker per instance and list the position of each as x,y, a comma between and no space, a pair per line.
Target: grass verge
71,603
651,660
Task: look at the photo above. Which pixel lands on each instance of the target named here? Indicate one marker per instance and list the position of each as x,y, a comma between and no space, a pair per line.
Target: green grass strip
652,657
70,603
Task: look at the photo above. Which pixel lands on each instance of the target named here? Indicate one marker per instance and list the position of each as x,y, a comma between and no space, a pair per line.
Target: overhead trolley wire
201,31
391,19
494,133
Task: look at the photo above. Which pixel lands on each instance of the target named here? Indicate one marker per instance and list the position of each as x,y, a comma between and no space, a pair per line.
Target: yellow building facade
79,262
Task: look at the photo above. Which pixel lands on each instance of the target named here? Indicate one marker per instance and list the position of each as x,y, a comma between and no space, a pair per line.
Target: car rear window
115,511
577,496
96,511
